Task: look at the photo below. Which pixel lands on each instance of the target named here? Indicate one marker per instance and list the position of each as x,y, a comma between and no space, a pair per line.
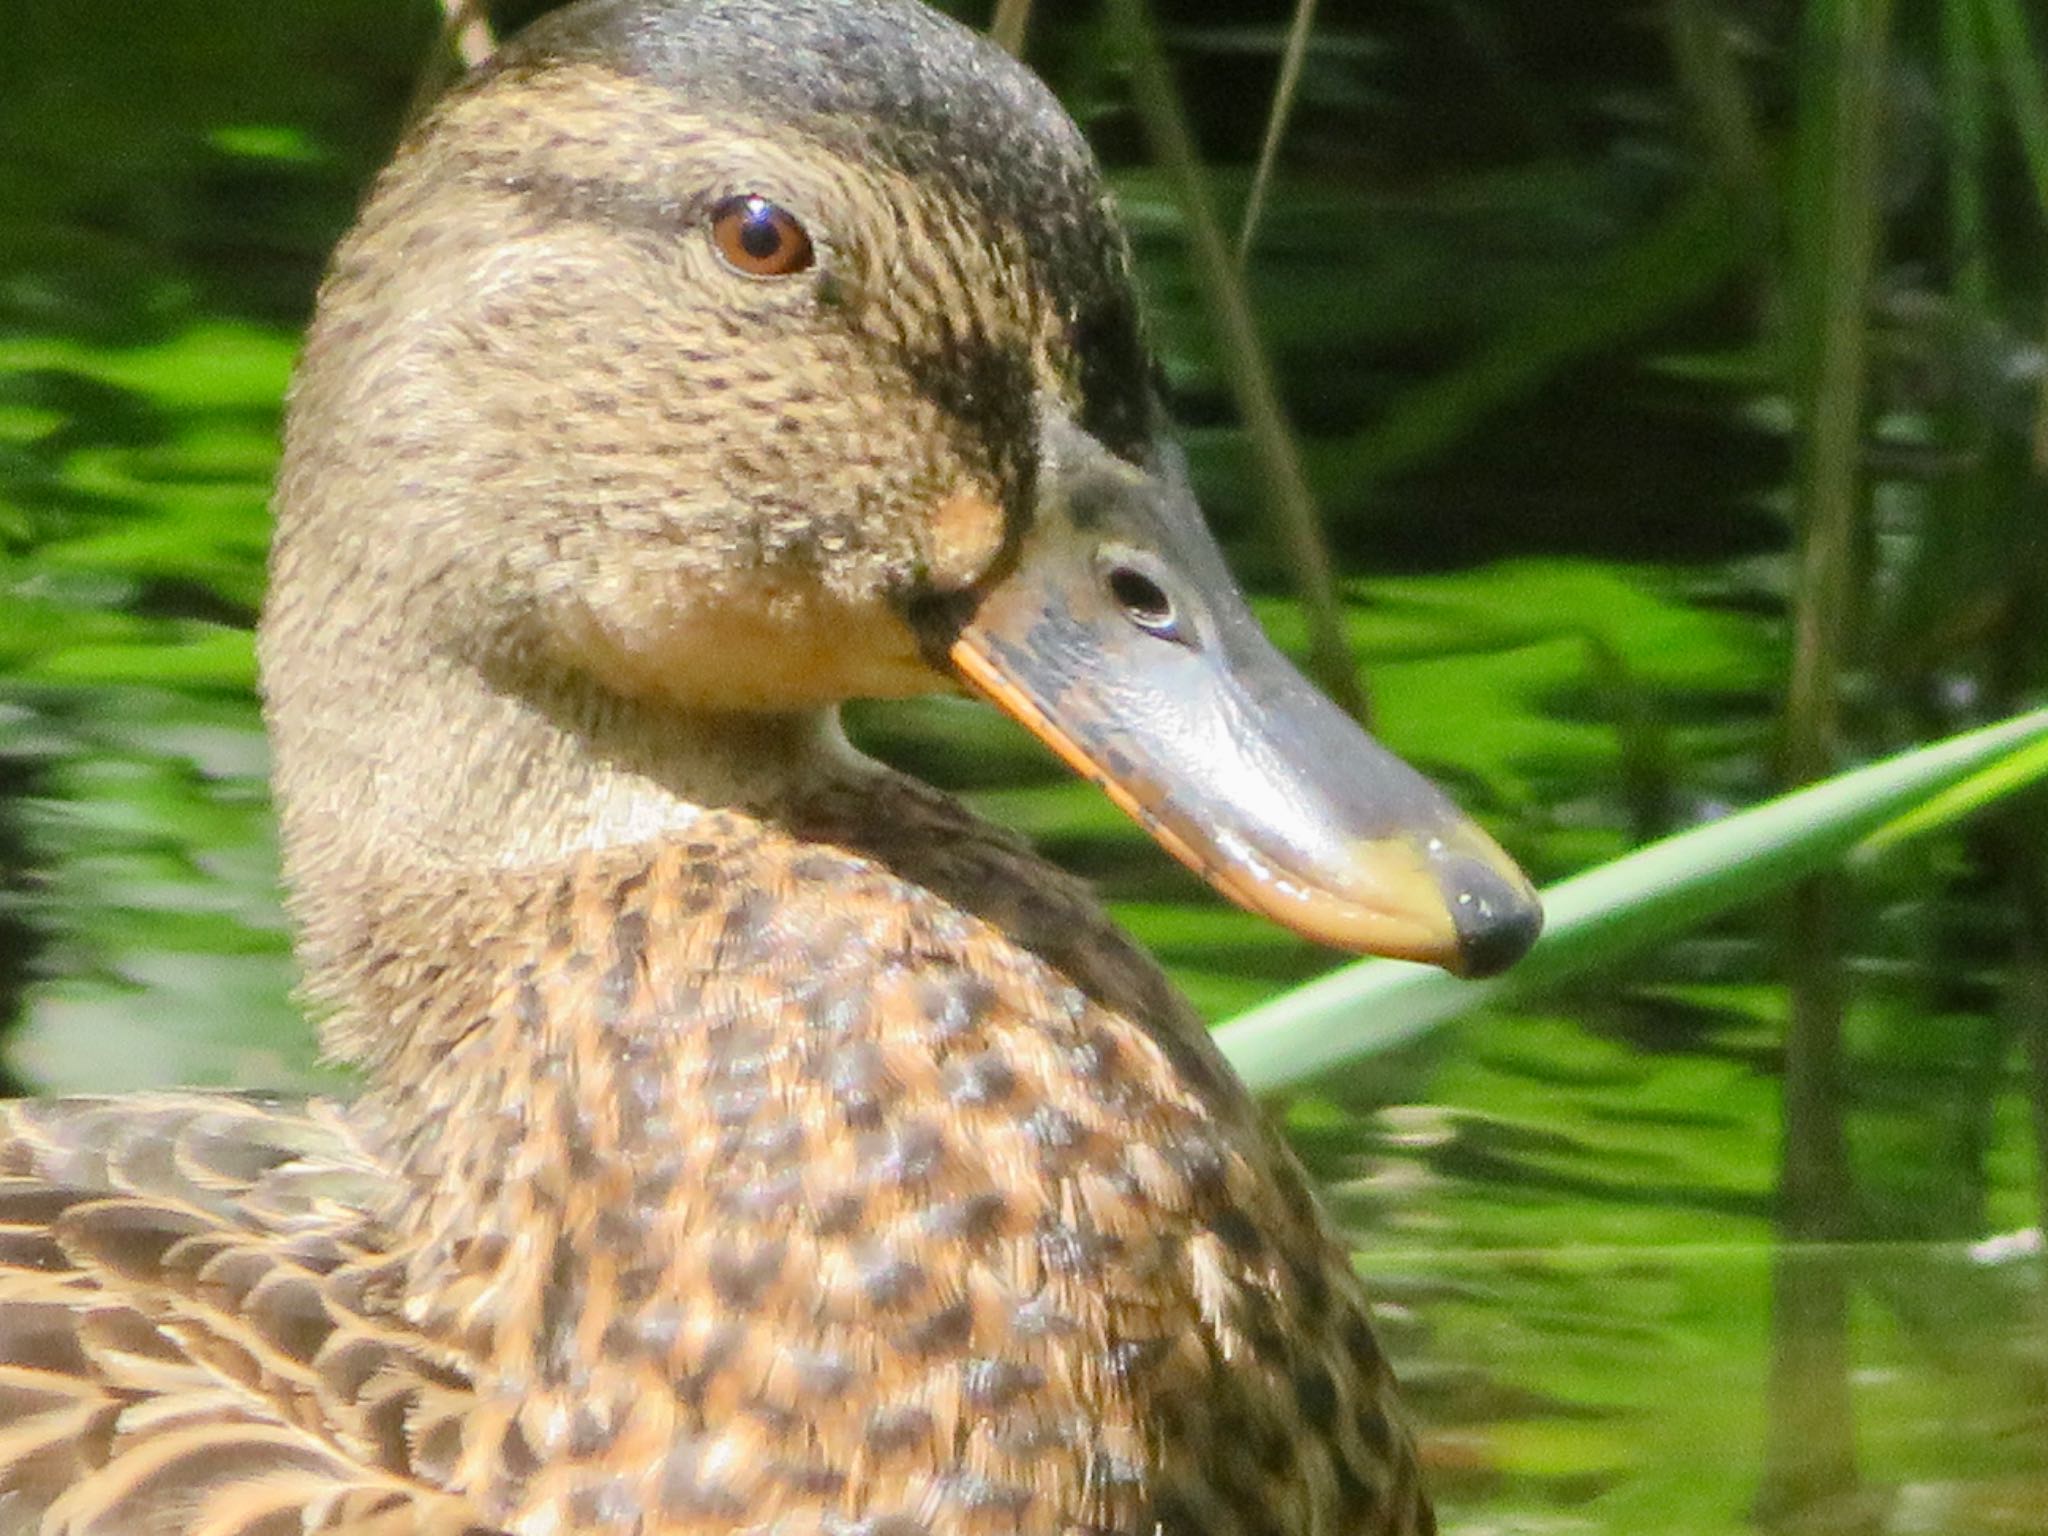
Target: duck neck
547,1051
592,1063
468,788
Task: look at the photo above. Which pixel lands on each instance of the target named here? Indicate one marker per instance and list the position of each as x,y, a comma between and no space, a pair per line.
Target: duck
750,1138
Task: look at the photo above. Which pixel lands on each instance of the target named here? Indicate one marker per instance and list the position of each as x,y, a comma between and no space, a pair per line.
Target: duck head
701,364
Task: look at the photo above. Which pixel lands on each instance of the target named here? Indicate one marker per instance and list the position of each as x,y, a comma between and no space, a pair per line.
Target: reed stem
1810,1446
1244,360
1012,24
1284,92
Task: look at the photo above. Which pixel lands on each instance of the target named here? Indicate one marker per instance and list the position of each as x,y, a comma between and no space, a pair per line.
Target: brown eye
758,238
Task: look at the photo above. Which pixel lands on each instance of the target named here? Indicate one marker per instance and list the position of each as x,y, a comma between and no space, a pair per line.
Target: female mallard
753,1141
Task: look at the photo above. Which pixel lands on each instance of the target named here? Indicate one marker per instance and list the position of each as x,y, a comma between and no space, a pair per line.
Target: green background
1547,290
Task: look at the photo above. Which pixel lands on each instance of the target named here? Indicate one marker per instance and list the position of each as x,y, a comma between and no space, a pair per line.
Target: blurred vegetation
1667,379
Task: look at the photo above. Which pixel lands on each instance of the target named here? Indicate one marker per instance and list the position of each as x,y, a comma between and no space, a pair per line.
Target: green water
1569,595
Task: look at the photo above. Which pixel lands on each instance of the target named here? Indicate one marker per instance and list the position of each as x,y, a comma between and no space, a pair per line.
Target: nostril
1142,599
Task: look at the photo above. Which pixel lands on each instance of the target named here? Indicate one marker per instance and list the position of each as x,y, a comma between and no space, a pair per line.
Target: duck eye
1143,601
755,237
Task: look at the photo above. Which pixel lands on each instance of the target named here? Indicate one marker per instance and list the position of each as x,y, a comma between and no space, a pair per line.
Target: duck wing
178,1356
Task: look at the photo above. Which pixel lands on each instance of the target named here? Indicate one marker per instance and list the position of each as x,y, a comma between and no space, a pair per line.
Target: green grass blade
2004,778
1625,906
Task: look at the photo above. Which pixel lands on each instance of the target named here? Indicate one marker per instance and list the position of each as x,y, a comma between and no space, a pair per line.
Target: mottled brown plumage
752,1140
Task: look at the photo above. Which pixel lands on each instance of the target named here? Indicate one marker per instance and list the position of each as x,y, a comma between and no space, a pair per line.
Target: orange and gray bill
1118,637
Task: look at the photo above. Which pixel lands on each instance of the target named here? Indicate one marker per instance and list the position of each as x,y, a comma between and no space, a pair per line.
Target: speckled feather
765,1182
753,1141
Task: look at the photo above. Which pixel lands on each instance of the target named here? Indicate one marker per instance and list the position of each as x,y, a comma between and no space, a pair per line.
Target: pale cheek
763,649
965,536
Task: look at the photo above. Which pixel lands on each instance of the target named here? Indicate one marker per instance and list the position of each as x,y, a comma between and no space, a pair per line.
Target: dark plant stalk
2026,90
2008,844
1012,24
2005,27
1648,772
1284,91
2027,993
1968,122
2024,856
1810,1444
2039,443
1243,355
1811,1454
1835,265
22,939
1725,125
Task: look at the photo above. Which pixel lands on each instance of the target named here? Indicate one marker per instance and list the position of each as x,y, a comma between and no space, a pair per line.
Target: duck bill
1118,638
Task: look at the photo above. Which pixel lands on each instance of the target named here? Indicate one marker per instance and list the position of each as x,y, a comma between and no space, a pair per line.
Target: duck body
751,1139
772,1179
